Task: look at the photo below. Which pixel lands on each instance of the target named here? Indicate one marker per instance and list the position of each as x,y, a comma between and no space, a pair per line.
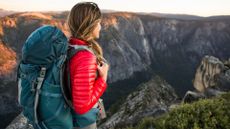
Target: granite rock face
210,71
211,78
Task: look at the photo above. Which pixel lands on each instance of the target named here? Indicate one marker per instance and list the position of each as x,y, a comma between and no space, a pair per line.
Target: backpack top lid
44,45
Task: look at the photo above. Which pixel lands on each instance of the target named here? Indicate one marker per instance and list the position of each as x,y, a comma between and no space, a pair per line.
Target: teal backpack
43,91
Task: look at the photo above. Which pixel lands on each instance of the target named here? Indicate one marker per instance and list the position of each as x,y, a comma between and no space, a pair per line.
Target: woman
88,70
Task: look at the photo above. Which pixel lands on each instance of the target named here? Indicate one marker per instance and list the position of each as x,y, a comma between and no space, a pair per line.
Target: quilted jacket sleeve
86,88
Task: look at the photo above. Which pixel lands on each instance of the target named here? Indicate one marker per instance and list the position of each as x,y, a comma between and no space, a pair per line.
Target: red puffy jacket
86,87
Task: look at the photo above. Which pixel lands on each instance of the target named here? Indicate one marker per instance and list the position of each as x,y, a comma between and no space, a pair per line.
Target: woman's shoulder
84,55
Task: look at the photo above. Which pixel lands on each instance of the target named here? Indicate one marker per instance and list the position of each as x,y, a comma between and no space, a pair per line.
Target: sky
193,7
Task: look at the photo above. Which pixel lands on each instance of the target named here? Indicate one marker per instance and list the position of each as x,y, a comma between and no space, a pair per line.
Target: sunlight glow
194,7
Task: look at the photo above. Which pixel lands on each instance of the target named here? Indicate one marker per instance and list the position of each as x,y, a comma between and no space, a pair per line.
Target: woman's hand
103,70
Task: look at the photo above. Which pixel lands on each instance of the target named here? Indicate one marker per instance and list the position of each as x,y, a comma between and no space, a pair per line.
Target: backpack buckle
42,72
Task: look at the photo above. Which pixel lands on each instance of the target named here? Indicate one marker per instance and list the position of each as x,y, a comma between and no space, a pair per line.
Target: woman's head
84,23
83,19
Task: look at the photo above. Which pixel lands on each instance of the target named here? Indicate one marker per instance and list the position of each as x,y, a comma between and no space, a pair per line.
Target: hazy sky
195,7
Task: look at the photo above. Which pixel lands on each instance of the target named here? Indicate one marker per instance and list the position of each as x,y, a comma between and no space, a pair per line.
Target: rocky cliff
152,98
171,48
168,46
136,46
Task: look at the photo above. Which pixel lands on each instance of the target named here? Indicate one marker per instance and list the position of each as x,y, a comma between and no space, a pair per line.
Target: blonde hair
82,20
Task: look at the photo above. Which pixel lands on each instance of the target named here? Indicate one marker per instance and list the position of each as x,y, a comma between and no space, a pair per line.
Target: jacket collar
75,41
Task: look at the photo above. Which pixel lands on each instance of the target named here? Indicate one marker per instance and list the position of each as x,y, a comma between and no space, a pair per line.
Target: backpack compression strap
40,80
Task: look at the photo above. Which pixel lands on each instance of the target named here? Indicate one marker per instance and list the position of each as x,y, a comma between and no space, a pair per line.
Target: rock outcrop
212,78
20,122
150,99
209,73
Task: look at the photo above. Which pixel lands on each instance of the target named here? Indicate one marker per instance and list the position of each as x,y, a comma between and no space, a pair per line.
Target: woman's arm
86,90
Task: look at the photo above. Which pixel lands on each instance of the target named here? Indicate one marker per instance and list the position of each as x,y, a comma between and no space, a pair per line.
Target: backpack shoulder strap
72,50
75,48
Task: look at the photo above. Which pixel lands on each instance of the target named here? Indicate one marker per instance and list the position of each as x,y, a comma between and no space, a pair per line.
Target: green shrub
203,114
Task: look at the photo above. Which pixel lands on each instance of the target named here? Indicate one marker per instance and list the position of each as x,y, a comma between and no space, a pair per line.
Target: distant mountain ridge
5,12
176,16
